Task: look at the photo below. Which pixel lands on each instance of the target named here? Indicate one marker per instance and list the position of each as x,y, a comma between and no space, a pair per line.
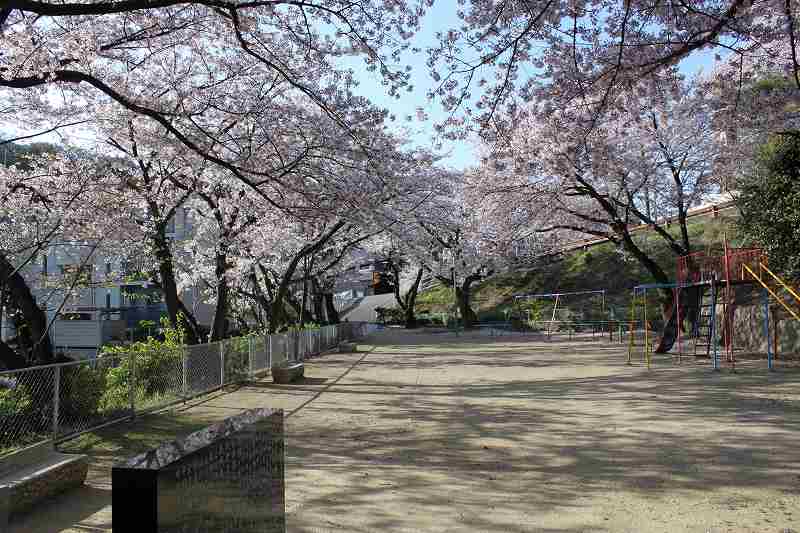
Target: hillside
601,266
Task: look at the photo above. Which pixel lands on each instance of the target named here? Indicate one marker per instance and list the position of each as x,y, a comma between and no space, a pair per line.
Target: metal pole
250,356
269,353
679,322
713,340
184,368
646,333
132,385
221,363
765,300
553,318
57,400
630,328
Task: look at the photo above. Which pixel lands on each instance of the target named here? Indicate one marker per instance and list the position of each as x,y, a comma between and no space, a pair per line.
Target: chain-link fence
62,400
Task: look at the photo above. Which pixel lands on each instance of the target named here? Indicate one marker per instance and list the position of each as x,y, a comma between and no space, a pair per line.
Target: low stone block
287,374
35,474
348,347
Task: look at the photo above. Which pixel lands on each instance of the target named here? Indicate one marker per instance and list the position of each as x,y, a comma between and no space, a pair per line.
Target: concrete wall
82,337
748,324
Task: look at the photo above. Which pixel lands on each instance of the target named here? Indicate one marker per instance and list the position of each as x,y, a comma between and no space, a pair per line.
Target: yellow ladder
759,277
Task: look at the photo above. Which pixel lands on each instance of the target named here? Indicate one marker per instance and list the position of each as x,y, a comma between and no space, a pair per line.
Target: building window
81,273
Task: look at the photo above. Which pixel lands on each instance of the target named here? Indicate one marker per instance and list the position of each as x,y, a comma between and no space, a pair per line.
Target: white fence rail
56,402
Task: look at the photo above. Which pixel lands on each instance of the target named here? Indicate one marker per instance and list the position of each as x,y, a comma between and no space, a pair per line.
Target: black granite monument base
228,477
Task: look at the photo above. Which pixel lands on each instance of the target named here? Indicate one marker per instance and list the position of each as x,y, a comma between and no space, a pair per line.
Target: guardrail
60,401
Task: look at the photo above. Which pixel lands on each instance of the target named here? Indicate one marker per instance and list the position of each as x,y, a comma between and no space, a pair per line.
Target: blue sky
441,17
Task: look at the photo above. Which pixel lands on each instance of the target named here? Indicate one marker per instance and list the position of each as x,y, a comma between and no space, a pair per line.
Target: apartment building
91,298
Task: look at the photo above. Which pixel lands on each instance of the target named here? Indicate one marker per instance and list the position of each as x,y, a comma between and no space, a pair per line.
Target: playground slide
690,307
669,335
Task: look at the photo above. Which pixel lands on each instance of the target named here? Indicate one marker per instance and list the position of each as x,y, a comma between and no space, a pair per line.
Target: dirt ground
478,434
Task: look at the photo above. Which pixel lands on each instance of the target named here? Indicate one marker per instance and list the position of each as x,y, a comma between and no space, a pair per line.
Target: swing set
558,299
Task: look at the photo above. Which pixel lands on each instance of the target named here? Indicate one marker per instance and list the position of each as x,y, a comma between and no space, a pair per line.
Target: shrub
157,363
81,389
14,401
237,351
390,315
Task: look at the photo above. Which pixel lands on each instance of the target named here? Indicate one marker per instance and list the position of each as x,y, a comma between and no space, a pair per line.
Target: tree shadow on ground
508,446
491,436
74,507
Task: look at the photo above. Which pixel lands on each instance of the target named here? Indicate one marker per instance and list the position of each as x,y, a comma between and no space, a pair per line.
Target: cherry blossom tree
217,76
648,159
462,237
755,97
156,182
582,54
45,199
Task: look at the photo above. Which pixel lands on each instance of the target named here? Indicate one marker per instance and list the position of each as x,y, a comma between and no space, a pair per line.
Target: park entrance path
478,434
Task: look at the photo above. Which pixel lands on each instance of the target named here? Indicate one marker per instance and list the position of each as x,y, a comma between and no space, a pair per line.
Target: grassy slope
599,267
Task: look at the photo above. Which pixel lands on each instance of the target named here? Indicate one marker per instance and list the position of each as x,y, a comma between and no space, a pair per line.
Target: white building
92,299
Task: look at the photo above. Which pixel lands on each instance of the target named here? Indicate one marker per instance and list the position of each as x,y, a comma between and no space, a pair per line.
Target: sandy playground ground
432,432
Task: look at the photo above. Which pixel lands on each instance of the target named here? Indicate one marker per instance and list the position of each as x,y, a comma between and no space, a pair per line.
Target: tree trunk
463,296
304,304
330,309
410,300
220,323
316,302
11,360
275,316
468,316
666,299
169,287
35,317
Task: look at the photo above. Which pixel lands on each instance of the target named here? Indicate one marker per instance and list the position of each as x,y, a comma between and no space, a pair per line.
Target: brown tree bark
219,326
330,309
11,359
283,288
35,318
178,313
409,299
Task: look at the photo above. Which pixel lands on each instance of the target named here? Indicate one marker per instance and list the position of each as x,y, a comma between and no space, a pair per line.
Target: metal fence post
250,357
56,401
185,370
132,385
269,353
221,364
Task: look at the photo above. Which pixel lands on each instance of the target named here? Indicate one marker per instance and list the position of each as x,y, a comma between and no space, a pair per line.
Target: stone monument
228,477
